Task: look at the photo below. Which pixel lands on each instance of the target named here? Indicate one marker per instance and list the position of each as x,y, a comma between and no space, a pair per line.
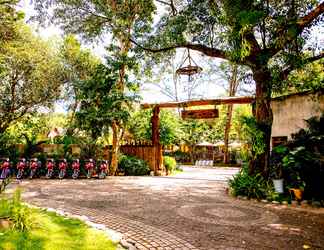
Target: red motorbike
103,168
33,165
5,173
76,168
62,168
50,168
21,165
89,166
5,166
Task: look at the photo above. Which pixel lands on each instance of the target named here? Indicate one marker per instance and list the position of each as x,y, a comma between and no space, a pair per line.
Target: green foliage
194,131
93,19
303,164
251,186
169,163
253,135
31,126
15,211
276,157
102,102
141,128
309,77
9,19
51,231
31,76
131,165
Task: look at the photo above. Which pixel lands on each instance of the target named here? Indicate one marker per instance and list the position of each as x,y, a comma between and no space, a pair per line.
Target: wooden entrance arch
155,120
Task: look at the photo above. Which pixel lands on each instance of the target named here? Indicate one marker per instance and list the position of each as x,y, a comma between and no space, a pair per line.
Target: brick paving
187,211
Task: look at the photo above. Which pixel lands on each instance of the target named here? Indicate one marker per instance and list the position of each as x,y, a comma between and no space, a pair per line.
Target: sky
209,87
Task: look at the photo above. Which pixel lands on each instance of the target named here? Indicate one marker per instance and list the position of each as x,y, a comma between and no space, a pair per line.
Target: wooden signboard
199,114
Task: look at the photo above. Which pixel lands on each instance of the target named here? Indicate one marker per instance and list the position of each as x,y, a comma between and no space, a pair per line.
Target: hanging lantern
190,69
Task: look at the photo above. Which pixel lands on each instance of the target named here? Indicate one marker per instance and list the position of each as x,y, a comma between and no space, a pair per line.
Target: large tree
268,36
79,64
30,76
101,103
92,19
8,20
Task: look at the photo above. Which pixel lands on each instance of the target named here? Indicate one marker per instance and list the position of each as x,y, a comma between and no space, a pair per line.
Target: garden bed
51,231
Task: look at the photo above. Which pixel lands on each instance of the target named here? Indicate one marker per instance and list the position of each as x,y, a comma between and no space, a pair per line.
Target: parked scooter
21,165
89,166
103,168
50,168
62,168
33,165
76,168
5,167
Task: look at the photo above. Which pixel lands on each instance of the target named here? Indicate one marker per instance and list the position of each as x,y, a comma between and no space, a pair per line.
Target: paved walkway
187,211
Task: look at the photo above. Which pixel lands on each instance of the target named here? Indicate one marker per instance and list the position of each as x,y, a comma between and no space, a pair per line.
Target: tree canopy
31,76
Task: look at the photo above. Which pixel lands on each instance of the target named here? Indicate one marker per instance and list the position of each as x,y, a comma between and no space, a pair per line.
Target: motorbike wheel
5,174
32,173
49,174
61,174
75,174
102,175
20,174
89,173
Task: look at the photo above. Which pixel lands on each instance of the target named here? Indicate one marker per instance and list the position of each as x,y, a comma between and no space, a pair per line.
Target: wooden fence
145,151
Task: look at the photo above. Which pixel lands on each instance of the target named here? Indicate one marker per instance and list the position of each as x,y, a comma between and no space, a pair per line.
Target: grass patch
53,232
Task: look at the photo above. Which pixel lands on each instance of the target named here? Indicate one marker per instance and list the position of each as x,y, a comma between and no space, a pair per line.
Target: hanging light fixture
189,68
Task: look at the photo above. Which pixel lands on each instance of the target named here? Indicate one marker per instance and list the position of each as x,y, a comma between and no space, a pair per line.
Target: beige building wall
290,112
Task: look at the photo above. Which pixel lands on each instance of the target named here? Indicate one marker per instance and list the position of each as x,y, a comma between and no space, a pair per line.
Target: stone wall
289,112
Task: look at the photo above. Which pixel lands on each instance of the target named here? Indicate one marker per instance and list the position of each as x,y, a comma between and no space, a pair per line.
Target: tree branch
208,51
306,20
285,73
300,24
171,5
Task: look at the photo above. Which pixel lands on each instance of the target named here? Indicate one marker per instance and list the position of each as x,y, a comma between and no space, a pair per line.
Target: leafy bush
131,165
169,163
15,211
276,157
250,186
303,165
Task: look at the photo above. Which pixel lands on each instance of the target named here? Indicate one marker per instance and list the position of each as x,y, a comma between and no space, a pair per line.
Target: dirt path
187,211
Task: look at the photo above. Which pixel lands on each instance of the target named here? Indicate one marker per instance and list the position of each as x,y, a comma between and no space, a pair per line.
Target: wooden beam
191,103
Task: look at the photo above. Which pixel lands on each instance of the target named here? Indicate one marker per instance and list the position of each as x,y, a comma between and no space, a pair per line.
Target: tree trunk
155,121
264,118
115,149
233,85
226,132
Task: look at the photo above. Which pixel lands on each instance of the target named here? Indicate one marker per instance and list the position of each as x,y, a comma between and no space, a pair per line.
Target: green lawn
53,232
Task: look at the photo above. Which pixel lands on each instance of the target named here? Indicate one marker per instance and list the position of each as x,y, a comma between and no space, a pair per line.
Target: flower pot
278,185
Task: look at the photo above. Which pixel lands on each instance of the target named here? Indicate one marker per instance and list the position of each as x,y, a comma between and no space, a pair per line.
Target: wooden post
156,141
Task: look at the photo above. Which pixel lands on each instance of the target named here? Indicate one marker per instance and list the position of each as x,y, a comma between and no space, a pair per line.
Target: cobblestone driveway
187,211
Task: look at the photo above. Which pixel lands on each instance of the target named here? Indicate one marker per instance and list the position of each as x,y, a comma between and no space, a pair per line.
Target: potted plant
276,166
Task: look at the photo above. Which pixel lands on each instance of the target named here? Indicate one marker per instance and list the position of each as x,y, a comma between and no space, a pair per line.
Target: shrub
15,211
132,165
303,165
250,186
169,163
